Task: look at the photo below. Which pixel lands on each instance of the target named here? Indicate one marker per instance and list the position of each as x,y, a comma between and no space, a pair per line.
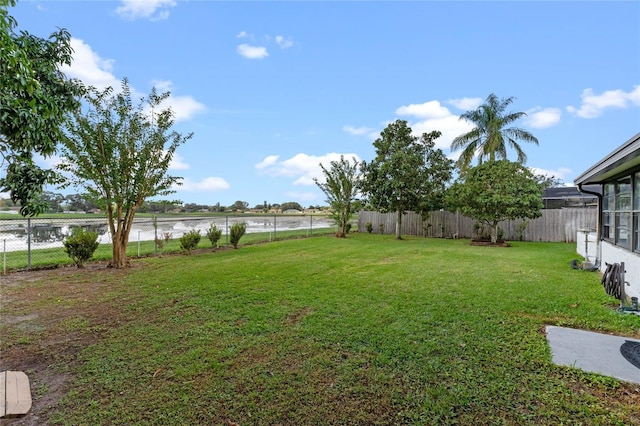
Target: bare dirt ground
46,318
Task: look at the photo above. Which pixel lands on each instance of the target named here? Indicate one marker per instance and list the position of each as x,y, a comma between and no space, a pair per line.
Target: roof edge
627,151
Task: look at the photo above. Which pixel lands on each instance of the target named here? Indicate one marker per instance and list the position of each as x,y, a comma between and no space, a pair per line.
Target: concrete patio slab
612,356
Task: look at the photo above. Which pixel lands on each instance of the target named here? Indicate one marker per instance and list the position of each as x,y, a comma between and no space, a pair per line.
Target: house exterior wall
587,246
614,254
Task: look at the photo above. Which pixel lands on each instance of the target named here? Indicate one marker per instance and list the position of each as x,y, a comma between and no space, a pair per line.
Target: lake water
47,233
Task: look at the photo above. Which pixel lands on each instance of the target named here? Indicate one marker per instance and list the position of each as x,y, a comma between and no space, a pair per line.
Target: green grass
363,330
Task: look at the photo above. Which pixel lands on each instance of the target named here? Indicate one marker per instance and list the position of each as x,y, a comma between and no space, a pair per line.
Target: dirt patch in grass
46,318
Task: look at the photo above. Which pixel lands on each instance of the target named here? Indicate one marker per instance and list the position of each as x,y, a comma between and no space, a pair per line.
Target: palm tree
491,135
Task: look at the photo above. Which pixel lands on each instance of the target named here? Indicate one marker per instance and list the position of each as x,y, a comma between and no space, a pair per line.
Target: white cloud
252,52
93,70
208,184
466,104
593,105
183,107
301,167
89,67
357,131
560,173
154,10
451,127
242,34
430,109
283,42
433,116
177,163
268,161
539,118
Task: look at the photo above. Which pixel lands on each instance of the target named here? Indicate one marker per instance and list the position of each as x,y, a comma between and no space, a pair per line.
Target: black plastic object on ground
631,352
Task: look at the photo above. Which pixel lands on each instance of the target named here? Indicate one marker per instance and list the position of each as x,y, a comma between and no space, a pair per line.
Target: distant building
618,233
569,196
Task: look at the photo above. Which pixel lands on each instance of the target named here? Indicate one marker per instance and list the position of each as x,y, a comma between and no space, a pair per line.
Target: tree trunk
120,242
494,233
398,225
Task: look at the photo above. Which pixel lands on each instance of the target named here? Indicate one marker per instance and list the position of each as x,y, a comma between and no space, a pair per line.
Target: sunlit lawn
363,330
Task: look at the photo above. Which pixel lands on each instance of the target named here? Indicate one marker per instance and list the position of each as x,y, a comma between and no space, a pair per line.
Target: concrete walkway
595,352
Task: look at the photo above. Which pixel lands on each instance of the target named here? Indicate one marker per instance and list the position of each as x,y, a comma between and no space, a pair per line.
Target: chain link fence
38,242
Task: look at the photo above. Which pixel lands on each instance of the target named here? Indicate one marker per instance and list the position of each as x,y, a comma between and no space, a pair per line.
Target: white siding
587,246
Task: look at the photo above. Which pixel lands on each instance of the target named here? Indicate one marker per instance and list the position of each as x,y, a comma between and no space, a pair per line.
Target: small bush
190,240
369,227
347,228
237,231
80,245
521,230
214,234
159,243
381,228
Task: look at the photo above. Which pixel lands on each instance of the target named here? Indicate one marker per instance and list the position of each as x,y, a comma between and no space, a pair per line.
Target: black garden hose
611,280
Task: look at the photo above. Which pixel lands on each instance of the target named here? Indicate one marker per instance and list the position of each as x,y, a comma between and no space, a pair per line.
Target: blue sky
272,89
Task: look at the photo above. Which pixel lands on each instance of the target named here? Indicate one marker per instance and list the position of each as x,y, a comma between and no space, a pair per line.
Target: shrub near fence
37,242
558,225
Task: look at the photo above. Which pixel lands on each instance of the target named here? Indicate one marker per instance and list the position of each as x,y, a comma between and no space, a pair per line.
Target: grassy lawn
363,330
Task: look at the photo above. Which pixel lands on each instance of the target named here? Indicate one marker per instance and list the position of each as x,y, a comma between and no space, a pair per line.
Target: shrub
80,245
214,234
381,228
159,243
347,228
190,240
237,231
369,227
521,231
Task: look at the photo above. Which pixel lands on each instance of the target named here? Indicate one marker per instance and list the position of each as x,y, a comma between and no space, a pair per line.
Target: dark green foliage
35,97
369,227
237,231
190,240
495,191
291,205
408,173
80,245
214,234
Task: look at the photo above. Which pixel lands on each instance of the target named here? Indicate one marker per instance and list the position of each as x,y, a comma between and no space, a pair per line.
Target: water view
48,233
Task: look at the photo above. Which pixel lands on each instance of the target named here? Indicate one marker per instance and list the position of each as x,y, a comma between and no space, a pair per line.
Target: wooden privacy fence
557,225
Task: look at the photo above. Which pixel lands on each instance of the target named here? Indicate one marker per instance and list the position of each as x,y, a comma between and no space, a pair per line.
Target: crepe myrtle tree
496,191
408,173
35,97
341,186
119,152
